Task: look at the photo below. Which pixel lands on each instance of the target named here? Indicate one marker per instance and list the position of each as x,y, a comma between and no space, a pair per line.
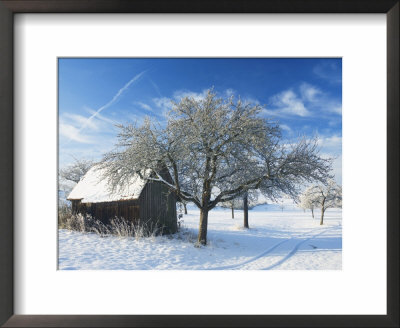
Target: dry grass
117,227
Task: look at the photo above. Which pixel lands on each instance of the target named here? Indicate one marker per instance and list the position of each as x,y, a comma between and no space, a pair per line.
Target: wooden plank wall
158,205
105,211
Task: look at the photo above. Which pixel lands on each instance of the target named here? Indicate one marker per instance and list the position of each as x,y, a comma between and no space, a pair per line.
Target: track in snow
294,250
272,248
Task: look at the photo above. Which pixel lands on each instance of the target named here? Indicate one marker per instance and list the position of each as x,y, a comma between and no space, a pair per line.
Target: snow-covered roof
95,188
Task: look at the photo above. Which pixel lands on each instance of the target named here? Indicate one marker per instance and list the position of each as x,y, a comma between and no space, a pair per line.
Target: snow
277,240
94,188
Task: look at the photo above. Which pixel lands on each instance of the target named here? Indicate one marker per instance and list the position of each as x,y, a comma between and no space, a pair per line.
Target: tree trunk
312,212
322,216
322,211
202,237
246,211
184,206
233,212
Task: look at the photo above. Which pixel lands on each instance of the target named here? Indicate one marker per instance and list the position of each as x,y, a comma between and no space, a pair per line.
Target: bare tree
233,204
242,202
215,150
184,204
248,196
324,197
75,171
245,211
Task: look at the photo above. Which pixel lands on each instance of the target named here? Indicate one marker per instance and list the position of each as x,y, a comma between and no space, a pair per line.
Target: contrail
113,100
155,86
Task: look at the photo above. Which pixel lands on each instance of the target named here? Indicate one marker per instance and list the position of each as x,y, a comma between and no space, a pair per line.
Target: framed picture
71,83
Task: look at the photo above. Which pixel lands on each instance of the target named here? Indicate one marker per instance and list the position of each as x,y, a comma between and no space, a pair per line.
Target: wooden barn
138,201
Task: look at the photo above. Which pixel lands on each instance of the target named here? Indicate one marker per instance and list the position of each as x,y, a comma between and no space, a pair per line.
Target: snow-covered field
277,240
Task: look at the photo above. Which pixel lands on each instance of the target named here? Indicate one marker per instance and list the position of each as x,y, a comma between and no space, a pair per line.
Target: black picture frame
7,10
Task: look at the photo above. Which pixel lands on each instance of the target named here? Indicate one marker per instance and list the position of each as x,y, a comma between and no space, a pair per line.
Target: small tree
233,204
184,204
325,196
307,200
76,170
69,176
242,203
281,206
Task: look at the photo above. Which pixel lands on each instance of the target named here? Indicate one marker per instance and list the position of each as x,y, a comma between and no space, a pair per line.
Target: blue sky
303,94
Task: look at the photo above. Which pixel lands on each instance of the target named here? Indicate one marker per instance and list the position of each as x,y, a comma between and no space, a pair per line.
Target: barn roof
95,188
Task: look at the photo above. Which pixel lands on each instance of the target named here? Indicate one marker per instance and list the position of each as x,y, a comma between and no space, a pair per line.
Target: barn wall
75,205
105,211
158,205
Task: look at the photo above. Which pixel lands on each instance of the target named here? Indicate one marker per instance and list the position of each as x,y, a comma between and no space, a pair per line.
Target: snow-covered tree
323,197
70,176
215,150
307,200
75,171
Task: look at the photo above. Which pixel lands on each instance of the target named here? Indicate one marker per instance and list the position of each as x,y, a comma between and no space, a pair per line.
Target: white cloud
267,112
179,94
82,150
332,140
163,102
144,106
229,92
249,100
80,120
103,118
302,102
70,127
331,144
330,72
331,147
287,102
285,127
309,92
72,133
337,169
316,99
334,108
